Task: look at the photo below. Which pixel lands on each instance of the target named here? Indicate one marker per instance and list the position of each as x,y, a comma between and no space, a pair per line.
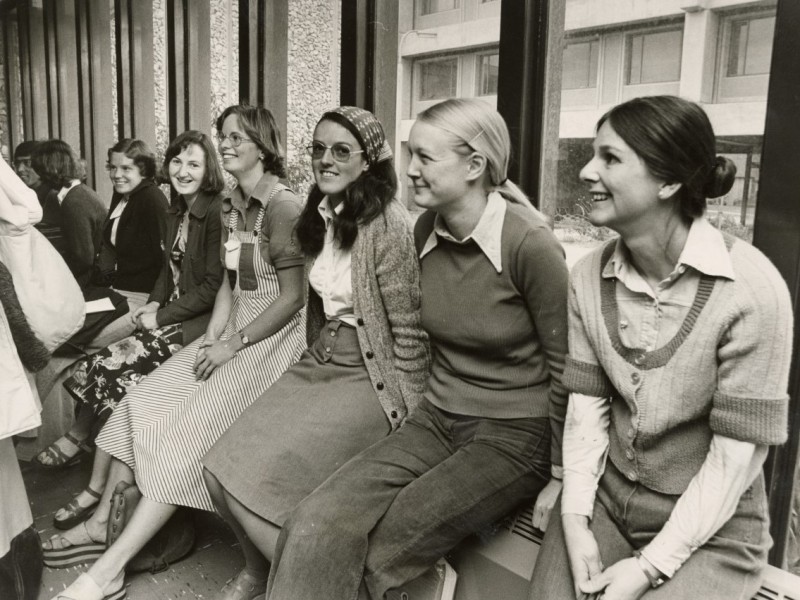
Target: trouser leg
323,545
497,463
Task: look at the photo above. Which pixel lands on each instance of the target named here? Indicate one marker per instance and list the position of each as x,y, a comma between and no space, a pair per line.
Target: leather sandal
244,587
75,512
58,459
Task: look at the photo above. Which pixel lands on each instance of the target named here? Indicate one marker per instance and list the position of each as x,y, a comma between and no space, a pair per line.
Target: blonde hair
480,128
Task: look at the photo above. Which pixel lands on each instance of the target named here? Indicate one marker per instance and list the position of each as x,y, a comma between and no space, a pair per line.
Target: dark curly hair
213,180
139,152
365,200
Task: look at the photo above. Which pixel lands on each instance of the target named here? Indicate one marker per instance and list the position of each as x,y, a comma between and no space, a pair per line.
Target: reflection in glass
580,65
750,46
438,79
653,57
487,74
428,7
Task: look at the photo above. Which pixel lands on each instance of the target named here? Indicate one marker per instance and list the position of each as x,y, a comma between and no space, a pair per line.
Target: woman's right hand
583,551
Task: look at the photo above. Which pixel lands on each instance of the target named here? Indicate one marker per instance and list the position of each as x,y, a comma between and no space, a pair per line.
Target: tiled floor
214,560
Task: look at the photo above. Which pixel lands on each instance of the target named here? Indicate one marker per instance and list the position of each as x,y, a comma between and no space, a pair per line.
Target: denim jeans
389,513
627,516
21,567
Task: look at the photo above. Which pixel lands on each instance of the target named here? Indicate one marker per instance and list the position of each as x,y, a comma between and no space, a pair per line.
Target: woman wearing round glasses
368,357
158,433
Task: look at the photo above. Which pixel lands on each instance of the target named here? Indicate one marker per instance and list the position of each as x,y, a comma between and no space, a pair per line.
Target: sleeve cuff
668,551
756,420
585,378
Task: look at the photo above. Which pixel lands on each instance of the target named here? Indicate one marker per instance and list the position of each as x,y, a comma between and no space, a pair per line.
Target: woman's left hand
624,580
147,320
211,357
545,502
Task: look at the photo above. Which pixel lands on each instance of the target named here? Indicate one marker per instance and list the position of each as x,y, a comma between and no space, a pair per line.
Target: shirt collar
62,193
705,251
260,193
487,234
326,212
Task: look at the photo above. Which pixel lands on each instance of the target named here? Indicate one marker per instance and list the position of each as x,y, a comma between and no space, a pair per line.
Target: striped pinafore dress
166,424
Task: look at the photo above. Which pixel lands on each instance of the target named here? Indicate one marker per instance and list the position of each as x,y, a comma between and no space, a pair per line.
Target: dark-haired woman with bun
679,350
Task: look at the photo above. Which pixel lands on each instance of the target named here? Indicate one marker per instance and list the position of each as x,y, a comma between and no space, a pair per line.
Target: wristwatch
244,338
654,576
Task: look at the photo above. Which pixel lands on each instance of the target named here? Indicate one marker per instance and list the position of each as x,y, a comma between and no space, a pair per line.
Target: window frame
728,88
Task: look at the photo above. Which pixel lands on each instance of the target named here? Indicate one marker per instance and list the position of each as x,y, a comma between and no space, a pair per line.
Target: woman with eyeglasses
177,312
367,362
159,432
487,434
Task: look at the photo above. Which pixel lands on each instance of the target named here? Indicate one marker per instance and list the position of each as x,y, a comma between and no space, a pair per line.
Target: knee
316,515
214,487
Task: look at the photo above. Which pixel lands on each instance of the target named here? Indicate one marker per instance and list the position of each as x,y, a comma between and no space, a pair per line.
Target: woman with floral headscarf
368,357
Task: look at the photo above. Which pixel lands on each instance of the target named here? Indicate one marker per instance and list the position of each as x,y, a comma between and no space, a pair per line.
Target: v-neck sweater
725,371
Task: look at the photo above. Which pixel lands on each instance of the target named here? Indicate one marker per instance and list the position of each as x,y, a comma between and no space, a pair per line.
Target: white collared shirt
331,274
115,217
62,193
487,234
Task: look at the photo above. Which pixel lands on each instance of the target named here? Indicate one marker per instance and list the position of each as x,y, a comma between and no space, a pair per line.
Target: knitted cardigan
724,372
386,303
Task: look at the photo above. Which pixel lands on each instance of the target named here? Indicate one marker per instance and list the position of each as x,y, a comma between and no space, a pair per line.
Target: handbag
48,293
172,542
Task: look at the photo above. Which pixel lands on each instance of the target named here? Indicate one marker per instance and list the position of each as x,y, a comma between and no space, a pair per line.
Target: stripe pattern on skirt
166,424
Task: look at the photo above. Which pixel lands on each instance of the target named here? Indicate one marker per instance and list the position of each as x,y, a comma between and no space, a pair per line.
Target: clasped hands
624,580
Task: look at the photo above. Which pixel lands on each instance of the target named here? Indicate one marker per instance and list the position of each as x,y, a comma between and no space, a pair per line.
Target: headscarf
369,129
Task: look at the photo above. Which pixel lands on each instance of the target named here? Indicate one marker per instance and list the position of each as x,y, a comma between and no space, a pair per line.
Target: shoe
76,513
244,587
86,588
58,459
74,554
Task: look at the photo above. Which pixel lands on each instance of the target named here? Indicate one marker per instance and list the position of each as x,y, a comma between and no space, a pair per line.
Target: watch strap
647,568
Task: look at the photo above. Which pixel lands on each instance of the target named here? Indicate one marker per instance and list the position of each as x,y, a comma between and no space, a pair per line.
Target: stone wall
314,59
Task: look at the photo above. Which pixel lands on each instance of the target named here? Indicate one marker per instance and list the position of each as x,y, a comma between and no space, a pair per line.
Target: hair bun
720,178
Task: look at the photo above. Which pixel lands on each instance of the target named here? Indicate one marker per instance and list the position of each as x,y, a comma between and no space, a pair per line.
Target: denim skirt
312,420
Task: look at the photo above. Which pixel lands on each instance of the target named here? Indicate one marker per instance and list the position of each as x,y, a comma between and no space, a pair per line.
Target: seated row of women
420,393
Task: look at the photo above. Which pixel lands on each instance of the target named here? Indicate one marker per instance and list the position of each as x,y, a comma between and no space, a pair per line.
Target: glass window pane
580,66
738,48
438,79
759,46
428,7
654,57
635,59
487,74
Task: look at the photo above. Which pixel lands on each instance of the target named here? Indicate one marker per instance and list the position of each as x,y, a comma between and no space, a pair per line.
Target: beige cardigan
386,302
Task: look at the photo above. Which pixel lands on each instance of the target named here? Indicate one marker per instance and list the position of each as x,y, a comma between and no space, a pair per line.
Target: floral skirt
101,380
